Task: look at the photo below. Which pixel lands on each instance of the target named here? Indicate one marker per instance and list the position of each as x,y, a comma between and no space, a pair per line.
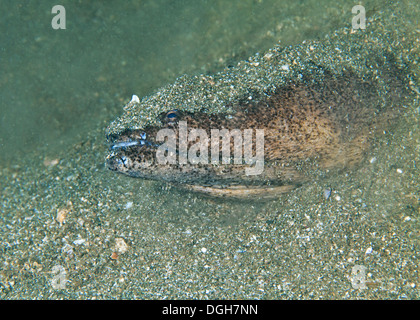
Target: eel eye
171,116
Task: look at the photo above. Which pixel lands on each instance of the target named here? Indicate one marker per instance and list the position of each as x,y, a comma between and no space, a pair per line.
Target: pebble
128,205
120,245
61,215
327,193
79,241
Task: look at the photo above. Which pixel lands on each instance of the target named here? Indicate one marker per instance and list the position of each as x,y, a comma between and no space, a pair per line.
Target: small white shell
135,99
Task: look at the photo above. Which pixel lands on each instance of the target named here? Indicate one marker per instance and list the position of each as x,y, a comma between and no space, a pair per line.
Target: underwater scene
244,149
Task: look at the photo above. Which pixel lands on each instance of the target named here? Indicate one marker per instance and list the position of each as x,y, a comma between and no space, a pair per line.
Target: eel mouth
132,139
127,148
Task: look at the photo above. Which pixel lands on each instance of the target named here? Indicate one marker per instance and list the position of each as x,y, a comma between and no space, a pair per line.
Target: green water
59,89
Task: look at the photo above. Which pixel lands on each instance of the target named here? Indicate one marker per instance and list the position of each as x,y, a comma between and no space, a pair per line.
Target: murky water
117,237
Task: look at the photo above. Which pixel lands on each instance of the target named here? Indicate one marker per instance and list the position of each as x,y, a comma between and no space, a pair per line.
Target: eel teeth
132,143
127,144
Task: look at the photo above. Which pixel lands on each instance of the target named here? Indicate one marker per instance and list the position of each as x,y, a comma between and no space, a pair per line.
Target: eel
309,110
